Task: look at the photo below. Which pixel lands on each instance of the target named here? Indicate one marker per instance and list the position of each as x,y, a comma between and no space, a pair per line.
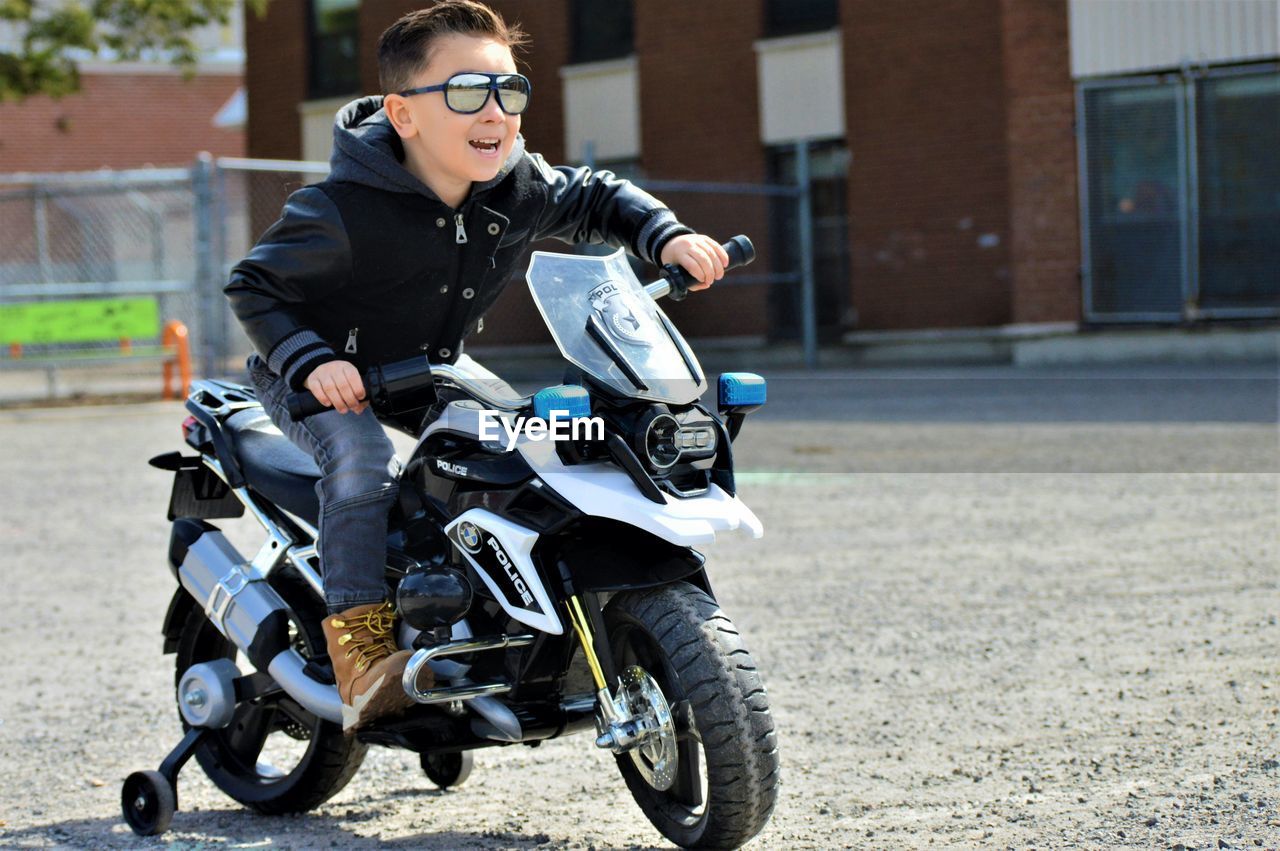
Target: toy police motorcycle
551,586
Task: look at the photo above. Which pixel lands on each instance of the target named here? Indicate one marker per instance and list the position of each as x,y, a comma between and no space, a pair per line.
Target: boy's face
454,149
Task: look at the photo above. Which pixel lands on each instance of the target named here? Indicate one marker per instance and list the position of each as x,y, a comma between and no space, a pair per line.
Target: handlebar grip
304,404
740,251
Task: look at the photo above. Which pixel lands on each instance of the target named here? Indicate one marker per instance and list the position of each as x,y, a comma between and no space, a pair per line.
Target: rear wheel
727,770
274,756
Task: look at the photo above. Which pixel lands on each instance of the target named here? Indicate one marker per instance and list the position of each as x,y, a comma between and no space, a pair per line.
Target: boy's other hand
699,255
337,384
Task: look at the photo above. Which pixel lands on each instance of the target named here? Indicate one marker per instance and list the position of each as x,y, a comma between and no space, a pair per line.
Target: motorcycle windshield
607,325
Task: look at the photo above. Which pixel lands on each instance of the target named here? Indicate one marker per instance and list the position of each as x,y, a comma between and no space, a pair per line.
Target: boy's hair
404,48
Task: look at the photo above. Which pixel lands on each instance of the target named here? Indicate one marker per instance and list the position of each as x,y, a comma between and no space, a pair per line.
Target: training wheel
149,802
448,769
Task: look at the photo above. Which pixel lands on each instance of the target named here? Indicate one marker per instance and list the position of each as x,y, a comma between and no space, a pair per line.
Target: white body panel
602,490
518,543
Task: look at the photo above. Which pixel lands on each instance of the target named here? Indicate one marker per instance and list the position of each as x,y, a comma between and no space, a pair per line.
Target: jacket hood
367,150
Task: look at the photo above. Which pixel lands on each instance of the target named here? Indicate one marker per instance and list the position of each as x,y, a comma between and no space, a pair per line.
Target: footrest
458,648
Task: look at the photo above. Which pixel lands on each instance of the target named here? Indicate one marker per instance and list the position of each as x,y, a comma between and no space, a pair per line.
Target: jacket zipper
461,231
351,341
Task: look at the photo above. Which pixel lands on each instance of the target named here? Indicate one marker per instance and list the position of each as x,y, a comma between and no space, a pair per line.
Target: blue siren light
569,400
740,389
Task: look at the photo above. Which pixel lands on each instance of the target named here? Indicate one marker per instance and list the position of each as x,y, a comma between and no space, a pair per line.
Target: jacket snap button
494,228
441,223
444,353
468,293
445,288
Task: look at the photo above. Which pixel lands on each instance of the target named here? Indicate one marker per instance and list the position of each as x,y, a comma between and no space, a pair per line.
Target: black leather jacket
370,266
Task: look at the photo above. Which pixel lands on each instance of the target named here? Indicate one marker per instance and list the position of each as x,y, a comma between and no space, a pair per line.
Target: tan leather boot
366,664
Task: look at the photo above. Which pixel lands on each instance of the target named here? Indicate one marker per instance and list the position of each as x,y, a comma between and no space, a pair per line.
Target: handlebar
676,280
393,388
409,385
413,388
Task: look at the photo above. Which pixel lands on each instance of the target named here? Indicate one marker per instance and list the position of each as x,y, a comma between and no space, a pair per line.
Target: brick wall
962,186
929,178
1040,136
120,120
700,120
276,76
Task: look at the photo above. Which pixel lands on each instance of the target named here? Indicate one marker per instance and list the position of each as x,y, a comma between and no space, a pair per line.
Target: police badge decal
622,313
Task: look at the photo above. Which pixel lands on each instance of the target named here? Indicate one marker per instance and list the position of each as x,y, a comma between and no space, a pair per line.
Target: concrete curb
1061,344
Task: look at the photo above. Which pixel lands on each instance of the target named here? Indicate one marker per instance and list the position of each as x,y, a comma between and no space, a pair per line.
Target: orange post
15,350
126,346
175,339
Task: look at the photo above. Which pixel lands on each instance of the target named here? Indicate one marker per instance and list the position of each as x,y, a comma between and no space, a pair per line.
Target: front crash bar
457,648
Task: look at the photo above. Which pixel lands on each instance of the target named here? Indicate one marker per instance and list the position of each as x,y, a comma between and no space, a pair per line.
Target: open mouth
485,146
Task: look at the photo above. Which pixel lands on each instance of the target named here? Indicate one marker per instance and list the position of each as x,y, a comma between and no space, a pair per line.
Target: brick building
132,114
945,137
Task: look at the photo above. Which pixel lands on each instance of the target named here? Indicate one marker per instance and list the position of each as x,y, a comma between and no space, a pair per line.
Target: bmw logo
469,535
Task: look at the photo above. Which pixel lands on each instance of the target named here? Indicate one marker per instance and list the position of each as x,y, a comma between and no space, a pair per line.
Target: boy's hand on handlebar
700,255
338,385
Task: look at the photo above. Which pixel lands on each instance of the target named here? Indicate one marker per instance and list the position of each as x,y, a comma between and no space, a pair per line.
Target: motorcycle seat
272,464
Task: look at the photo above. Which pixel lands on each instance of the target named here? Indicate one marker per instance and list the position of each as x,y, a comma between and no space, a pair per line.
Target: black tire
149,802
448,769
680,636
232,756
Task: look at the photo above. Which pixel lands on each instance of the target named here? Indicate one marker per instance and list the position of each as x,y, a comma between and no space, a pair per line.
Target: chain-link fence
173,235
112,239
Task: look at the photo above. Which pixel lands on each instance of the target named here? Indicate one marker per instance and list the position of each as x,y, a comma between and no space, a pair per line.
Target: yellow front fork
583,627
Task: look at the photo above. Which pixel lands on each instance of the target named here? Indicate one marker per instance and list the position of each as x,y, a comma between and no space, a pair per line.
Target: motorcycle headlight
661,441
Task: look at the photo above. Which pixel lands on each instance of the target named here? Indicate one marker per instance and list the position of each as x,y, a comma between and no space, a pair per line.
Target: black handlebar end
740,251
302,405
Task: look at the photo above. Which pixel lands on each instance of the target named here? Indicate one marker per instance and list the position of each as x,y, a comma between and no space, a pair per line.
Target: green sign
82,321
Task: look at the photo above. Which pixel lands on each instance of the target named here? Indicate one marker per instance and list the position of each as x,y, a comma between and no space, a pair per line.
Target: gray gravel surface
1040,631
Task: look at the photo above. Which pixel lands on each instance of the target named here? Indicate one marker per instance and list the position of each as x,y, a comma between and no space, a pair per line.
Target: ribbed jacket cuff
294,357
658,229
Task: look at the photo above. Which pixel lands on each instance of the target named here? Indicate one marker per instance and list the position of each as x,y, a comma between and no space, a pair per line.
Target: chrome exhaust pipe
238,601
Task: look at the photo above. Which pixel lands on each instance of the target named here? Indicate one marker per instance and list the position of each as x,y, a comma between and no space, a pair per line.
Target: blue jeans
357,488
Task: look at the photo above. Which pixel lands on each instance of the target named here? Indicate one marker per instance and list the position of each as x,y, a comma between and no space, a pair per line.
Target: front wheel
727,771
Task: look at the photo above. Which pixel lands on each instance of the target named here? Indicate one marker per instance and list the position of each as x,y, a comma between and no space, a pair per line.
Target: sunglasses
468,93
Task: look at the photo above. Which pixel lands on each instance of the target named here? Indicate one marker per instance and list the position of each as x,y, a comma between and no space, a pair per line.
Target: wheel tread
736,728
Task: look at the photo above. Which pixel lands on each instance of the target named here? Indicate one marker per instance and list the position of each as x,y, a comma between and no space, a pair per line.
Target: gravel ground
1045,631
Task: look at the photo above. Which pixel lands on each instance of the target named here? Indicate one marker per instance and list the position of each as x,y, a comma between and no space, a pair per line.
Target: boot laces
369,635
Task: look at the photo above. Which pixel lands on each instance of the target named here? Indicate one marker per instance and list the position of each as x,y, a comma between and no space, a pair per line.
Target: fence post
41,213
207,294
809,302
219,263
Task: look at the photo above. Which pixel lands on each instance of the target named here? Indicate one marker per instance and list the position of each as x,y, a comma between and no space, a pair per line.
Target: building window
829,206
1181,212
792,17
601,31
334,38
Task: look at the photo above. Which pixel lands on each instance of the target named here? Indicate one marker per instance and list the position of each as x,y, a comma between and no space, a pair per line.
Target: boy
429,204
